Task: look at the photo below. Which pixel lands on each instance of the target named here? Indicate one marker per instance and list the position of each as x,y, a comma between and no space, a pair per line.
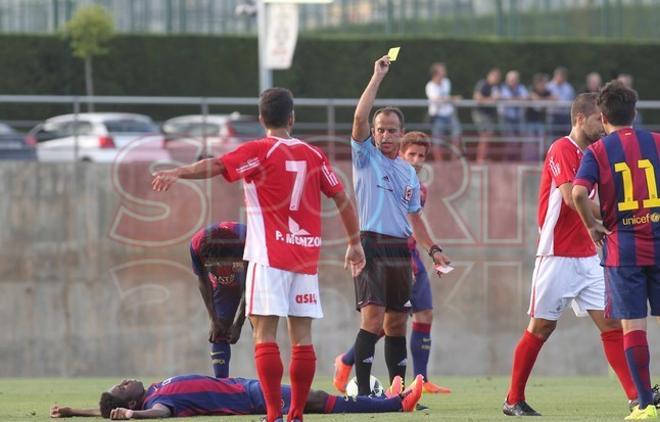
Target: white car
209,135
100,137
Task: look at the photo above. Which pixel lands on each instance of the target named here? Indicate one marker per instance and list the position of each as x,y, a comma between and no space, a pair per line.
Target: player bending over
415,147
200,395
567,269
217,259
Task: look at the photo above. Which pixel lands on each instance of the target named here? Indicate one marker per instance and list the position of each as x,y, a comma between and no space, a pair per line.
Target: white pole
265,75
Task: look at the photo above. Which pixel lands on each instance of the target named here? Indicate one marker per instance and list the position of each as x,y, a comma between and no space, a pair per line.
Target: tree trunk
89,83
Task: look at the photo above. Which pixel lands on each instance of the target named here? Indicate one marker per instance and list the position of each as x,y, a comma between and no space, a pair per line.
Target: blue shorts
226,300
421,298
257,397
226,297
629,289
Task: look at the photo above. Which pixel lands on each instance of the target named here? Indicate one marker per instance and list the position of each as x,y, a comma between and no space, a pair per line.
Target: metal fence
327,121
618,19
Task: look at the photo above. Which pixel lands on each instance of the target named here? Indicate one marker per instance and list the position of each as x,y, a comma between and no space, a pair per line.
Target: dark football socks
396,355
348,358
637,355
220,355
365,344
420,348
362,405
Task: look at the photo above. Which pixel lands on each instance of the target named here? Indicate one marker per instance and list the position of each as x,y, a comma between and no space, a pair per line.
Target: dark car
14,146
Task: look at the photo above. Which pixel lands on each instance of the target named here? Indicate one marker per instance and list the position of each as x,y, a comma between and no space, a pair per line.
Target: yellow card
393,53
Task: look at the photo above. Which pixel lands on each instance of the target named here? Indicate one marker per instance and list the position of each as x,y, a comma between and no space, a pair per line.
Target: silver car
194,136
99,137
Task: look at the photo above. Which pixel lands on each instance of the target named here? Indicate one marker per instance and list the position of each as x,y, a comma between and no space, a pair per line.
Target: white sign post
277,26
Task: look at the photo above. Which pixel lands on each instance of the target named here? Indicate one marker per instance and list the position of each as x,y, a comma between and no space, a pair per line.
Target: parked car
14,145
213,134
101,137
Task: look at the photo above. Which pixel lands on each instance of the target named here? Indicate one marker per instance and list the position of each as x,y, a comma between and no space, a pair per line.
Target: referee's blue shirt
386,190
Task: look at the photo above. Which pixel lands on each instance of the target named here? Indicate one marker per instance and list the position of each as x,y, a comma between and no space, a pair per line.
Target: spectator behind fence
536,116
560,119
485,117
592,82
512,117
444,121
627,80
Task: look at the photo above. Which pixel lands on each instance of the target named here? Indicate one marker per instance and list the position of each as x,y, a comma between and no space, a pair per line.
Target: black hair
109,402
221,243
617,103
276,107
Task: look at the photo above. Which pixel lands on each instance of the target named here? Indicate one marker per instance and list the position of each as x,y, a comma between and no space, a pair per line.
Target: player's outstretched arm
202,169
156,412
68,412
583,206
361,130
422,236
354,254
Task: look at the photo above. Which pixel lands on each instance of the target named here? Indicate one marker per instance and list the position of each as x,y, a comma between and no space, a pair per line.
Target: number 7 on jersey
300,168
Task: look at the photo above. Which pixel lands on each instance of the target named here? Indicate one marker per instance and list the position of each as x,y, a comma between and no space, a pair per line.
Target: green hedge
330,66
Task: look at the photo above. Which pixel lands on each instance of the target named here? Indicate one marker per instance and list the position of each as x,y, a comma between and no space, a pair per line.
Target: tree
89,30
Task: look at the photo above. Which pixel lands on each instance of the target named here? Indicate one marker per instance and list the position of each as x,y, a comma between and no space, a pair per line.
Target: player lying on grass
199,395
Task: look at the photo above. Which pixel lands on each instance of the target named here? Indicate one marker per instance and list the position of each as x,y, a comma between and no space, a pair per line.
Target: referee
388,199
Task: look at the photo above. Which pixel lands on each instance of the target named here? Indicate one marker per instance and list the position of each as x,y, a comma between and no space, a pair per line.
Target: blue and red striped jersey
230,236
625,165
197,395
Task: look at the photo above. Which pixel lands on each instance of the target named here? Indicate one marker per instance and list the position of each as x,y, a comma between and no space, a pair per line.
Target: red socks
301,371
616,356
529,347
524,356
269,370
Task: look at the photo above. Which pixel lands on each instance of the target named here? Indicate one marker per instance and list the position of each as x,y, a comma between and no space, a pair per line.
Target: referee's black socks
396,356
365,345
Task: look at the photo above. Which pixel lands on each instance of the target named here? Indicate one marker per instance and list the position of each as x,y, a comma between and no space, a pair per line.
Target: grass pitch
473,399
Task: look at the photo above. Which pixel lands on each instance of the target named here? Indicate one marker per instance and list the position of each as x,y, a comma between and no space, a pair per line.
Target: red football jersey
283,181
561,232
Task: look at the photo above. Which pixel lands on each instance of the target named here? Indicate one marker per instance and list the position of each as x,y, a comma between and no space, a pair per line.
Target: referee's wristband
433,249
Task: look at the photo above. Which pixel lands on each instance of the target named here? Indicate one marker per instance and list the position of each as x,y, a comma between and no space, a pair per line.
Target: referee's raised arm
361,129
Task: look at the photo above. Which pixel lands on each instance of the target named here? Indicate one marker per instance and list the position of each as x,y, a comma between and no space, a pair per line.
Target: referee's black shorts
386,279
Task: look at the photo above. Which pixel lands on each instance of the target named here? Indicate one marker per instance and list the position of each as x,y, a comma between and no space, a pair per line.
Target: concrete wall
95,278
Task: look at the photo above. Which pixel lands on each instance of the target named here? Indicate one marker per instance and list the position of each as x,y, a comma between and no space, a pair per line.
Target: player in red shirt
283,180
567,270
626,166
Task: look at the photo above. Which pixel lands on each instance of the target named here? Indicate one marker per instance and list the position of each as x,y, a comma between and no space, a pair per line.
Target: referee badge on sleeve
408,193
